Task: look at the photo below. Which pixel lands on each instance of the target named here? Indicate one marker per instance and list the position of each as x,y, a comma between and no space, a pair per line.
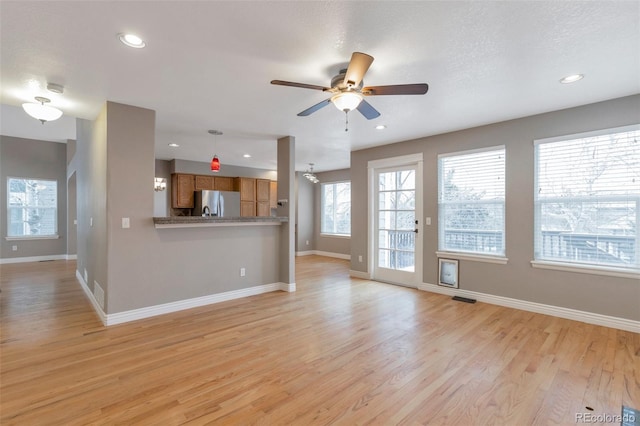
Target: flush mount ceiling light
571,78
309,174
40,111
215,161
132,40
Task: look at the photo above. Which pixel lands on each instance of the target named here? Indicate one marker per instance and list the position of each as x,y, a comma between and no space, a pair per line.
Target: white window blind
587,199
336,208
471,201
32,206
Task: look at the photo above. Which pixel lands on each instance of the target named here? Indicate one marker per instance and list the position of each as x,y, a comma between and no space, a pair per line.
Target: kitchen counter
208,221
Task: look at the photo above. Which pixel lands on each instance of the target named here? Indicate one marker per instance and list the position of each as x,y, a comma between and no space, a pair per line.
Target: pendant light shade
215,164
41,111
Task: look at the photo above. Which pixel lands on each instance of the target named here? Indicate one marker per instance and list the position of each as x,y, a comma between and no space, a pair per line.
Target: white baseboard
556,311
324,253
92,298
359,274
33,259
72,257
288,287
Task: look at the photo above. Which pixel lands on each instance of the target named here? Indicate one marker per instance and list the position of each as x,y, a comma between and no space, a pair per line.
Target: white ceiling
208,64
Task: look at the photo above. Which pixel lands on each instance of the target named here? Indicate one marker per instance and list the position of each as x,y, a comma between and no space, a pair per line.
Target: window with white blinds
587,196
471,197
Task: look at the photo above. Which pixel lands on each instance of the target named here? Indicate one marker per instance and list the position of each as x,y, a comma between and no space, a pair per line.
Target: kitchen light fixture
309,174
215,162
132,40
41,111
159,184
571,78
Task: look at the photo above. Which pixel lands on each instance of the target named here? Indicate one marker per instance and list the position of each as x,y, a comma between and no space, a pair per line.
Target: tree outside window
32,207
336,208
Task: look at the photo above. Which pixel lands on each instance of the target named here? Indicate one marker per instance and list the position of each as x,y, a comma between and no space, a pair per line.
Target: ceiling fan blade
314,108
368,110
358,66
397,89
301,85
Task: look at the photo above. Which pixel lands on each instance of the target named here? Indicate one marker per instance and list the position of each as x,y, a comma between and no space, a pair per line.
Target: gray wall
204,168
328,243
305,213
28,158
143,266
618,297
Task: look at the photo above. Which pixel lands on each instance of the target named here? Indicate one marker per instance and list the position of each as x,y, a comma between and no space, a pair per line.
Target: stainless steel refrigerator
217,203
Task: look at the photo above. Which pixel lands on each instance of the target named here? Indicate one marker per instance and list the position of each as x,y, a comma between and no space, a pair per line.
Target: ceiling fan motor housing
337,82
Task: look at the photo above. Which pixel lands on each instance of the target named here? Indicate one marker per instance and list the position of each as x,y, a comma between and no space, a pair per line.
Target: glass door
397,237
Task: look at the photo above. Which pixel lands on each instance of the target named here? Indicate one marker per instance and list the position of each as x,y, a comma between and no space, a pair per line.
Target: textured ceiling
207,65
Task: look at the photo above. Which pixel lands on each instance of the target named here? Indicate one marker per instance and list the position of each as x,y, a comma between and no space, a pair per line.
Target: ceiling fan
348,92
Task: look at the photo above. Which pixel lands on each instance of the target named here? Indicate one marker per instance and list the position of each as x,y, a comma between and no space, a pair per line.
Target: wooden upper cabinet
273,194
247,188
262,189
204,182
223,183
182,187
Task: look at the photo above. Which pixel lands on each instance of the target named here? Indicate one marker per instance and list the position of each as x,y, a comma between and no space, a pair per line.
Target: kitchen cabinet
204,182
263,201
182,187
247,189
273,194
223,183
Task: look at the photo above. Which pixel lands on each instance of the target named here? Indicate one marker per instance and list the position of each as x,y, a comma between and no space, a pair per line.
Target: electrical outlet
427,220
91,222
14,248
360,258
307,242
243,272
125,223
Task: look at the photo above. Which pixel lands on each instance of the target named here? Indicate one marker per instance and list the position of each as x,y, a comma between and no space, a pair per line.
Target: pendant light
215,161
309,174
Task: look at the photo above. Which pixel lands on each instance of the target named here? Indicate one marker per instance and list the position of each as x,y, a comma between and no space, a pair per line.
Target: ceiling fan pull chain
346,120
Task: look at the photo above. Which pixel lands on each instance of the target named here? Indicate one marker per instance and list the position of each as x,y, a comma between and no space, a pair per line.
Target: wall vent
98,293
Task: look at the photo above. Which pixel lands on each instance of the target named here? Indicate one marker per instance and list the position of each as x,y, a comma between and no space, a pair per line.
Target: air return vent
98,293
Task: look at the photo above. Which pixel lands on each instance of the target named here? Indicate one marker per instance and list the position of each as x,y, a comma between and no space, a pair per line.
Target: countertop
204,221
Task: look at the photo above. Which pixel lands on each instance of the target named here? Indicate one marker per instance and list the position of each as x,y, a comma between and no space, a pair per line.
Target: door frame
373,165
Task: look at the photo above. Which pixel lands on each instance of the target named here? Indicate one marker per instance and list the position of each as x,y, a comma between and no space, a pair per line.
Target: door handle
415,230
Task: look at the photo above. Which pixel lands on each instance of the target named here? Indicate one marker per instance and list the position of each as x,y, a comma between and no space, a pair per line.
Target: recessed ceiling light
571,78
247,155
174,145
381,127
132,40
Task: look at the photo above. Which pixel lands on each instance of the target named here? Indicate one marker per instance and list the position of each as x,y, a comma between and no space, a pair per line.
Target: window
471,188
32,207
336,208
586,199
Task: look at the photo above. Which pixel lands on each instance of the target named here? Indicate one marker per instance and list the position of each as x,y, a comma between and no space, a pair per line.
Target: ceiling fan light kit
348,91
40,111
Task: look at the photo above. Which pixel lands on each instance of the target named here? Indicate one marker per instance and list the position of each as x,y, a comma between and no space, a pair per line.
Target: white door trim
372,165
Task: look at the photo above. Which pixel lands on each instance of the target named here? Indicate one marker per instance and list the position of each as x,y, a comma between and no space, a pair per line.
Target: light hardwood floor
338,351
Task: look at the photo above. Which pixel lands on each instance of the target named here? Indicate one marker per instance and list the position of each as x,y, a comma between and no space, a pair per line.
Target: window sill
28,238
473,257
585,269
335,235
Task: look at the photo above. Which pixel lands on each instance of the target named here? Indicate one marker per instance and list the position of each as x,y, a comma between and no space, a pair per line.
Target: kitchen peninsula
208,221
